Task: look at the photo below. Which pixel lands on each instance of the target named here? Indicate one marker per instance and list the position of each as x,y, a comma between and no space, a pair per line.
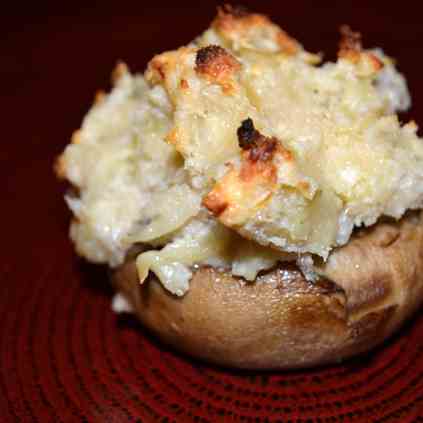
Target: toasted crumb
260,148
350,48
238,23
184,84
240,137
247,134
99,97
59,167
215,63
76,137
350,44
119,71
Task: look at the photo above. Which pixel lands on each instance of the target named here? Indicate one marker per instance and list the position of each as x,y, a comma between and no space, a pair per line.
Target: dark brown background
63,354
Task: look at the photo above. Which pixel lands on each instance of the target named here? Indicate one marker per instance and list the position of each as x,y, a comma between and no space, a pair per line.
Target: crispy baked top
242,134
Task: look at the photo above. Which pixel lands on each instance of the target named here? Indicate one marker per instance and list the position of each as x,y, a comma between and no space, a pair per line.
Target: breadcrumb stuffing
238,151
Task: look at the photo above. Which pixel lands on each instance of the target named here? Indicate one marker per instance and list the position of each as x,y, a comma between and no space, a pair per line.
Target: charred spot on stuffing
215,62
264,150
60,166
260,148
247,134
208,54
238,22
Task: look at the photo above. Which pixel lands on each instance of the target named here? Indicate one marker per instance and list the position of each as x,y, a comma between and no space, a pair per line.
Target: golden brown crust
217,65
350,45
369,288
238,22
157,67
350,48
241,192
99,97
184,84
161,65
59,166
237,18
120,70
259,147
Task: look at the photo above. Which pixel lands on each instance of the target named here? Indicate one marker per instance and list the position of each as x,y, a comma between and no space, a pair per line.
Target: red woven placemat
64,355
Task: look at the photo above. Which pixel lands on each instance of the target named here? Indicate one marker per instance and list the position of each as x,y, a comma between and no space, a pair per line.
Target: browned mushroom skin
368,288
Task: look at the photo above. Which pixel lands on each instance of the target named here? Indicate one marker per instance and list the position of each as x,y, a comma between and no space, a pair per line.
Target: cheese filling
239,151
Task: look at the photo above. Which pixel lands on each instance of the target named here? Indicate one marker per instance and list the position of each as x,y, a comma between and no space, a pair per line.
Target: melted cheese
204,241
159,163
350,155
